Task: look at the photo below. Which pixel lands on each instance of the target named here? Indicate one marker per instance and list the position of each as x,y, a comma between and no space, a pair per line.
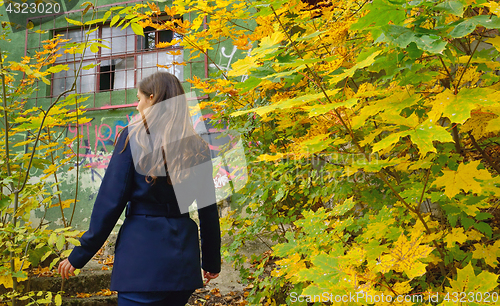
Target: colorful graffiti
96,143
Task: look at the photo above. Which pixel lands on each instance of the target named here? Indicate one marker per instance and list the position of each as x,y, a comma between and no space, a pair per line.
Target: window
129,59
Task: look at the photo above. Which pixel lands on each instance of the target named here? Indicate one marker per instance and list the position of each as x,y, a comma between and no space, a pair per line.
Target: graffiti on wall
97,138
228,59
96,146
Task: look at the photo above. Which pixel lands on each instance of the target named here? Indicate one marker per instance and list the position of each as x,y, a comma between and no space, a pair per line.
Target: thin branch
485,156
468,62
447,71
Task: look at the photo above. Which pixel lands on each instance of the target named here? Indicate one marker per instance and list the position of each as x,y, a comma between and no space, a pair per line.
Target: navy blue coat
157,248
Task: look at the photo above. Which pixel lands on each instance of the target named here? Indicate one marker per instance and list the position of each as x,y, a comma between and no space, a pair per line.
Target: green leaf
53,263
466,27
58,68
73,241
19,274
249,84
35,256
454,7
484,228
4,203
387,141
380,13
339,210
52,239
320,109
424,134
401,36
138,30
431,44
60,242
47,254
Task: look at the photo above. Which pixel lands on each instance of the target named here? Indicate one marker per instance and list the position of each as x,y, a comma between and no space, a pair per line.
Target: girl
161,166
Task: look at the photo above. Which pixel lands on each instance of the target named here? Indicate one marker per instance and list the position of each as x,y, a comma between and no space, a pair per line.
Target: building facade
109,79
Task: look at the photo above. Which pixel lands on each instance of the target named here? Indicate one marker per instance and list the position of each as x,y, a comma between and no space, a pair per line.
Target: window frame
100,58
46,25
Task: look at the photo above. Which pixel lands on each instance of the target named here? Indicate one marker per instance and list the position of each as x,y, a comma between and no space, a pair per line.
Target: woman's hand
209,276
66,269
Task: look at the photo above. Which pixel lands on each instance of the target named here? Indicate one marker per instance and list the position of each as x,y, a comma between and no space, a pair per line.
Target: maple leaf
456,235
325,272
458,107
462,179
269,44
488,253
403,287
478,124
242,66
467,281
405,256
422,135
315,144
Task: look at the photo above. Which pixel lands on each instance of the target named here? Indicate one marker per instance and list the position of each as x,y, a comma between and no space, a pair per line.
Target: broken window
129,59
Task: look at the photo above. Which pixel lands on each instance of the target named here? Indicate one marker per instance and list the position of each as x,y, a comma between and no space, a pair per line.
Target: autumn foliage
377,169
378,122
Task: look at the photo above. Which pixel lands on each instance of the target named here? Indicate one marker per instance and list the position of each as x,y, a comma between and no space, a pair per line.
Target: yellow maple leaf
269,44
267,157
473,234
488,253
462,179
458,107
456,235
403,287
418,230
404,257
493,125
356,255
478,124
467,281
242,66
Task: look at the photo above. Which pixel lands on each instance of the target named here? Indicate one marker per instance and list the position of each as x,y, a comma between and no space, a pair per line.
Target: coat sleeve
111,200
209,220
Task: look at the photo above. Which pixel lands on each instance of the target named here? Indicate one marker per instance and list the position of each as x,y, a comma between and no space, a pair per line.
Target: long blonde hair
178,143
